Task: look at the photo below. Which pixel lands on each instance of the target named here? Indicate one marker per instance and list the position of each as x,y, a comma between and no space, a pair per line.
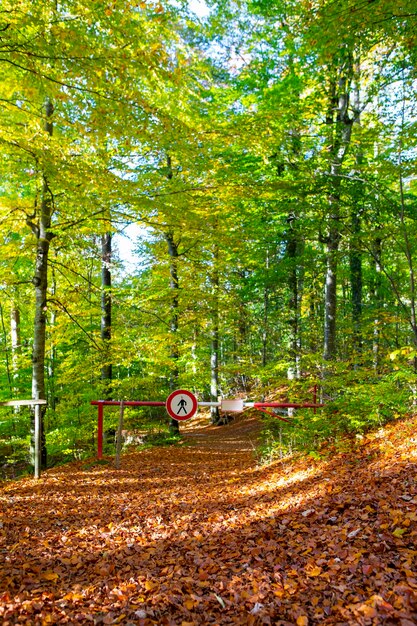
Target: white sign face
181,405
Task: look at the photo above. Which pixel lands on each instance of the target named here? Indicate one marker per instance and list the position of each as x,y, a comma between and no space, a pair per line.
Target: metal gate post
100,414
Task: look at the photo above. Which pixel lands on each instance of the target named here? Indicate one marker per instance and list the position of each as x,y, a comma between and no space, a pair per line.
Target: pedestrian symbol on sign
181,404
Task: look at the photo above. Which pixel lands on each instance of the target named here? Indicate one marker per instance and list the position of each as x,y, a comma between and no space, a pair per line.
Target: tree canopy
266,155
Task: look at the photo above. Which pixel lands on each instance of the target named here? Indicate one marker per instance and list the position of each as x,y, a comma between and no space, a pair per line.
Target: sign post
181,405
37,464
37,429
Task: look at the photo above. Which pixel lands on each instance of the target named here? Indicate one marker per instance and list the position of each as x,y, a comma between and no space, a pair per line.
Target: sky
125,243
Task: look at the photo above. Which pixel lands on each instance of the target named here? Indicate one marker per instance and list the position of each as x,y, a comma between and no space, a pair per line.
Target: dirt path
199,534
238,437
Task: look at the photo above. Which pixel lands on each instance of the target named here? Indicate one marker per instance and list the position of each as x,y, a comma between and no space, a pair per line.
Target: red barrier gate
101,404
260,406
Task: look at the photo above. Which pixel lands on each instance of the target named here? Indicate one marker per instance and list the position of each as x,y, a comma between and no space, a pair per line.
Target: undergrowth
353,406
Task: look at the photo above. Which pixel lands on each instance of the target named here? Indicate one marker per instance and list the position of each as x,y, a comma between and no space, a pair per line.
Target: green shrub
359,402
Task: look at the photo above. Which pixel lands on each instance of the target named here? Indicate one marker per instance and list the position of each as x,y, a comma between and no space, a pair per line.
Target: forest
216,196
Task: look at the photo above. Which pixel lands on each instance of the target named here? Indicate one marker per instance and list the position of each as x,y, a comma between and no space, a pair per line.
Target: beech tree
76,71
269,164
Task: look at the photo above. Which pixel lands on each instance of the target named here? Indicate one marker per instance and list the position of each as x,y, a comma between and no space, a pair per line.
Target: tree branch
64,308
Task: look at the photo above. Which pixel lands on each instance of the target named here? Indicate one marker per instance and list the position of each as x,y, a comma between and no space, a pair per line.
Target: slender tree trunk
265,330
174,322
339,125
106,314
242,322
52,352
294,301
15,336
16,344
39,343
214,358
40,281
408,248
355,255
6,350
293,370
355,262
214,369
330,295
376,294
313,314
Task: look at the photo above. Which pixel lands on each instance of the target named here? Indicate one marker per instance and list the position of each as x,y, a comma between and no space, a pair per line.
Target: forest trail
200,534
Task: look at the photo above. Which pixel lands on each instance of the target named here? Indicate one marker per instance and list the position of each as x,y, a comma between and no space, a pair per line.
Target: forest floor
201,534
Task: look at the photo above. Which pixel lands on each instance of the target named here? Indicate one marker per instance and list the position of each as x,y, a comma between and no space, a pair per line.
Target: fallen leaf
49,575
314,571
220,600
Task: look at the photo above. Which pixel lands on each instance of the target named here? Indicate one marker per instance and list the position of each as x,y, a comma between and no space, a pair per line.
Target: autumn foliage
201,534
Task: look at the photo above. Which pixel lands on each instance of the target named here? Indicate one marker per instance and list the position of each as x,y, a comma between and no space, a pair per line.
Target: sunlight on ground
202,534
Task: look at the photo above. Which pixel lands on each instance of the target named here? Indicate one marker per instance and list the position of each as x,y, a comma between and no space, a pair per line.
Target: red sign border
183,392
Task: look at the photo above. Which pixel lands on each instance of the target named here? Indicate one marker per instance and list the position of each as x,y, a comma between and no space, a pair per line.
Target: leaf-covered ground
199,534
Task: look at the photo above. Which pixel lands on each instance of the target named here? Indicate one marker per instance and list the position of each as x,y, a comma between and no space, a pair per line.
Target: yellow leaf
149,585
398,532
313,572
368,611
189,604
49,575
302,620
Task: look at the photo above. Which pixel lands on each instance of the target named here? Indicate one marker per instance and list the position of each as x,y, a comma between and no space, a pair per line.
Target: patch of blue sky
127,246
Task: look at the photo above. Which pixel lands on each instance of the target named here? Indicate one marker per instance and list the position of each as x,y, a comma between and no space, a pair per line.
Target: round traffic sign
181,405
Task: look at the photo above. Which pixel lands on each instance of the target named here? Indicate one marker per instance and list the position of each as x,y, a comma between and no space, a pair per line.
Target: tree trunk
376,293
339,125
16,344
241,336
265,330
106,314
15,336
6,351
214,358
330,293
355,255
355,262
408,248
294,301
40,281
174,322
52,353
214,369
